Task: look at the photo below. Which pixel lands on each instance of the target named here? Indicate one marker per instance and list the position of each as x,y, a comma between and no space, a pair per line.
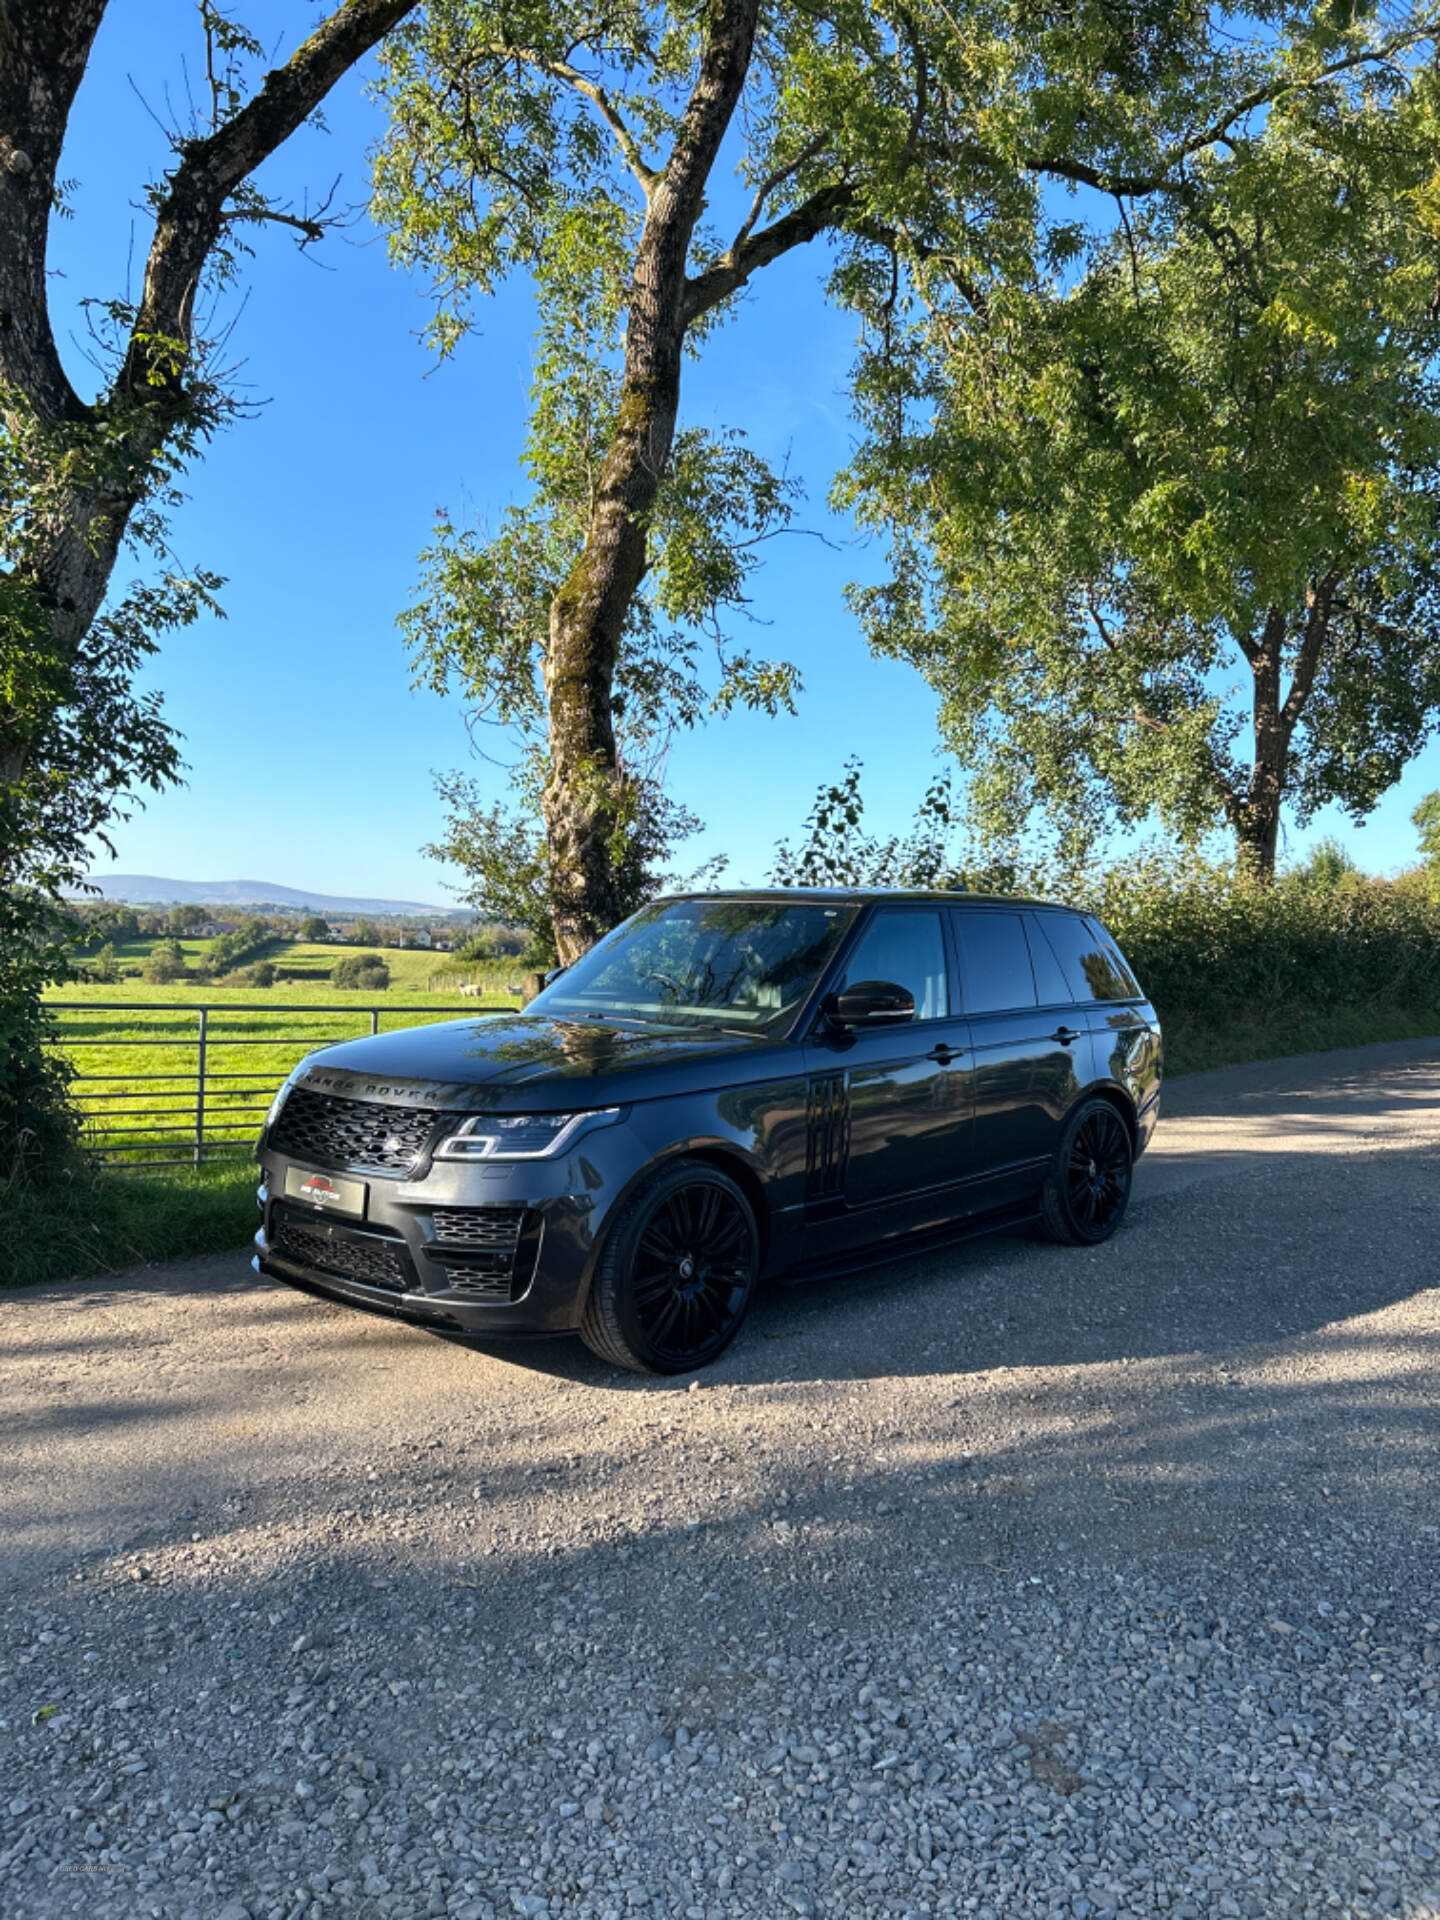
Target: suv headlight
522,1136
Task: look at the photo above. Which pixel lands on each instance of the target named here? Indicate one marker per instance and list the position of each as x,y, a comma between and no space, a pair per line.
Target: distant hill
146,890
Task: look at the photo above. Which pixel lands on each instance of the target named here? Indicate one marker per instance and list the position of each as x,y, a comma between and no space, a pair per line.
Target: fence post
374,1019
200,1091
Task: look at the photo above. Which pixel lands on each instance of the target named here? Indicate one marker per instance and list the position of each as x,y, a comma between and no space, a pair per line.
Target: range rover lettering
729,1088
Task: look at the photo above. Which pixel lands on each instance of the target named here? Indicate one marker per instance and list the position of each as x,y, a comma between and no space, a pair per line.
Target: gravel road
1012,1581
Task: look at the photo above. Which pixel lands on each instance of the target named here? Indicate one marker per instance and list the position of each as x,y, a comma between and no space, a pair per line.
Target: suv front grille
371,1261
351,1133
486,1253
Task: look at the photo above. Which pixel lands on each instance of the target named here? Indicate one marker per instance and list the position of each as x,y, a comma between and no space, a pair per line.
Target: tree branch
823,210
1312,644
192,211
609,113
1138,184
272,216
44,50
1100,624
314,226
770,183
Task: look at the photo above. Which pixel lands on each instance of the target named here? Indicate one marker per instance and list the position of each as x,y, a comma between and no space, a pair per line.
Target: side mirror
872,1003
554,974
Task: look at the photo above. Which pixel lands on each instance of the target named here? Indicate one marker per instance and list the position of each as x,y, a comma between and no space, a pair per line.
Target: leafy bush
1208,943
38,1124
250,941
263,974
365,970
492,943
103,968
165,964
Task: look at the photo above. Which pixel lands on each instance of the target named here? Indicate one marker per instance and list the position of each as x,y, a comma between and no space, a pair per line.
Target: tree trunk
1255,815
584,794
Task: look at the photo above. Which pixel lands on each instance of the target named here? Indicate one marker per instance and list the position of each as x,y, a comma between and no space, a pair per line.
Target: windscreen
733,963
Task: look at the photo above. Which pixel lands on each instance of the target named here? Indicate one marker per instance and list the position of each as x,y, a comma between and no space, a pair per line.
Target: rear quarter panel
1127,1052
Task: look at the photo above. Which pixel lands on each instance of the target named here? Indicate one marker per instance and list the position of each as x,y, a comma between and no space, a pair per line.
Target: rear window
1088,958
995,971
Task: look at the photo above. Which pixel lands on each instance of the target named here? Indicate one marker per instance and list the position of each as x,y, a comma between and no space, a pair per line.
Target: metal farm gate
168,1084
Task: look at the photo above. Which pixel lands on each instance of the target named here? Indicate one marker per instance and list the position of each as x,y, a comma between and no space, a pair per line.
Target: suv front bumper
475,1249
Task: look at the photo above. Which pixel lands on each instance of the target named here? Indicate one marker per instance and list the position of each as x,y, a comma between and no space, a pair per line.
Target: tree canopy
1165,519
643,166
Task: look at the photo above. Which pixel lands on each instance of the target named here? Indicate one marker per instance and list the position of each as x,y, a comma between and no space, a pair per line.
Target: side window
995,973
907,949
1089,963
1050,982
1129,985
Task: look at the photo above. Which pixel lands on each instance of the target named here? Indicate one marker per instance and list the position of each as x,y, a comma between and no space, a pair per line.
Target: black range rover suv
728,1087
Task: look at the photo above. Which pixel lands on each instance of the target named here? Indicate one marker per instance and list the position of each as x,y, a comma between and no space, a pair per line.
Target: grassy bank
1192,1046
100,1224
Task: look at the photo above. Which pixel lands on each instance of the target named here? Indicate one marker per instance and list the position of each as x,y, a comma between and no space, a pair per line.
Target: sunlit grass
93,1223
1191,1047
149,1057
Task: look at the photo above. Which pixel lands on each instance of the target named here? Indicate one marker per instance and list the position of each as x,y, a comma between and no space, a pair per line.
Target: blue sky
310,759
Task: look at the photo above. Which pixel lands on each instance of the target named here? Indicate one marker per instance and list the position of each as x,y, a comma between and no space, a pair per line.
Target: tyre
676,1274
1087,1189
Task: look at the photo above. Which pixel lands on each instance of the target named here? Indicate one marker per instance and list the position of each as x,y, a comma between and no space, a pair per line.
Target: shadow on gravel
1212,1370
1176,1281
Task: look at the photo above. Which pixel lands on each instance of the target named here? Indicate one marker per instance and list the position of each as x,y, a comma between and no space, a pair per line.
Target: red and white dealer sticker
321,1190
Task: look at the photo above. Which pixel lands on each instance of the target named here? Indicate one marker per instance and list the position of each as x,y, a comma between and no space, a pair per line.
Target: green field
411,969
140,1068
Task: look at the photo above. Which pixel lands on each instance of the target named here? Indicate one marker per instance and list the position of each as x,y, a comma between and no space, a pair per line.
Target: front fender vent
827,1135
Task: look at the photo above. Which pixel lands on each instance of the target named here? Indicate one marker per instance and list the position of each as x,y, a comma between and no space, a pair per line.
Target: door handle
1065,1035
943,1054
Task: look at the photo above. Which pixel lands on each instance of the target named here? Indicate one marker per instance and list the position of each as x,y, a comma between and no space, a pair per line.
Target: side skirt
909,1246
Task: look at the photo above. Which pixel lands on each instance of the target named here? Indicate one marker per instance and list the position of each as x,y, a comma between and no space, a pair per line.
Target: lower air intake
369,1261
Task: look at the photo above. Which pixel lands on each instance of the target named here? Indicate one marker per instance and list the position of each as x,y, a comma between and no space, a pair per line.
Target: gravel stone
1027,1581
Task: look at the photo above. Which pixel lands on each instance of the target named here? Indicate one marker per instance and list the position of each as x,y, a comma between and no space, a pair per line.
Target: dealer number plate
325,1194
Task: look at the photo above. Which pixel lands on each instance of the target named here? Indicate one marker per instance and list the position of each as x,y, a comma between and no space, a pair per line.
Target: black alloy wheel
1088,1188
677,1273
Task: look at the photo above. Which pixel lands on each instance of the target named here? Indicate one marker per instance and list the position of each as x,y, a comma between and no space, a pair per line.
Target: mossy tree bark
585,789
